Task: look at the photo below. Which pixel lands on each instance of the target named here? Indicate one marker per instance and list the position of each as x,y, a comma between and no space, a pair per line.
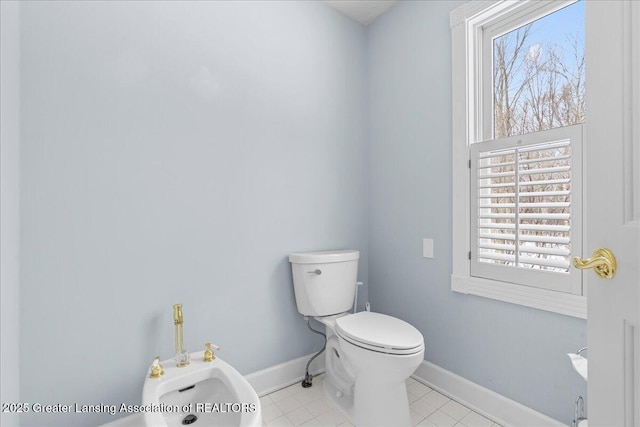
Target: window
518,72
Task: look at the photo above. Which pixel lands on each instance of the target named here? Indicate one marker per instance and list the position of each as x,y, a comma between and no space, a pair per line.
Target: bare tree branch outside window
538,85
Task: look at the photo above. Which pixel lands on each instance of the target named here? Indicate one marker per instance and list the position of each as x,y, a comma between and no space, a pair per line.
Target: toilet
368,355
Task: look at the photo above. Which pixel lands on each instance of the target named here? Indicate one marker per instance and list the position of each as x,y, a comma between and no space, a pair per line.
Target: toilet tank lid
323,257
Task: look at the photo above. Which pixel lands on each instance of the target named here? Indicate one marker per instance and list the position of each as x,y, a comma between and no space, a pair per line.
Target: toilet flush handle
316,272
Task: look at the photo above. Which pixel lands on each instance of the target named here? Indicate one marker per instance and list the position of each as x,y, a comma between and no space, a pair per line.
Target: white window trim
466,22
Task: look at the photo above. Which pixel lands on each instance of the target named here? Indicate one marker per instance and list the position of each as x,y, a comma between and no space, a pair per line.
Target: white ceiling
363,11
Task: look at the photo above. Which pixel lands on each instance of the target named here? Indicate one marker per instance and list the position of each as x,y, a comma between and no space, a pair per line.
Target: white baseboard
279,376
490,404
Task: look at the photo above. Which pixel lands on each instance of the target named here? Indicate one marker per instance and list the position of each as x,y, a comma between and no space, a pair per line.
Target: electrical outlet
427,248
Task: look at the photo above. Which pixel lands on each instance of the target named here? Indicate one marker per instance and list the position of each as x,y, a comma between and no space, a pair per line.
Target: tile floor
297,406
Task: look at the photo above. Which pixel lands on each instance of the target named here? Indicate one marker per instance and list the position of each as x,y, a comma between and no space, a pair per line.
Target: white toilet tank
324,282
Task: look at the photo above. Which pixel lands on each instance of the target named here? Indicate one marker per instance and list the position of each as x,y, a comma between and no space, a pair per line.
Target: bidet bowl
203,394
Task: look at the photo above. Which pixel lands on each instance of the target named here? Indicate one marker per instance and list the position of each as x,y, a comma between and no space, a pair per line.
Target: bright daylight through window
538,74
525,176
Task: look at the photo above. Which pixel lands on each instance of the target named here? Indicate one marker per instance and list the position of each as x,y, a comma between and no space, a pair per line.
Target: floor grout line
308,407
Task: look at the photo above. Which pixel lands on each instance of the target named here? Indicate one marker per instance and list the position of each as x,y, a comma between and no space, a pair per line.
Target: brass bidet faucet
182,356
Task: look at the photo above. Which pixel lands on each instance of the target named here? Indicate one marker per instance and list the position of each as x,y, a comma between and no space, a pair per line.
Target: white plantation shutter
526,204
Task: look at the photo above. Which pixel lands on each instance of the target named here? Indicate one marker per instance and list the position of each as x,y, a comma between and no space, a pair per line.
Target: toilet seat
379,332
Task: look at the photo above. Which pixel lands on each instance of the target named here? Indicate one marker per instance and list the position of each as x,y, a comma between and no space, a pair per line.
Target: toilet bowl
368,355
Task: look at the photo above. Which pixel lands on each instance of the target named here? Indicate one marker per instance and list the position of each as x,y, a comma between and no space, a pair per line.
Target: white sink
580,364
201,394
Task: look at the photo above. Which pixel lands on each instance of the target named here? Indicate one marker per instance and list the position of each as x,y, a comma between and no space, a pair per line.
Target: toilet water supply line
308,378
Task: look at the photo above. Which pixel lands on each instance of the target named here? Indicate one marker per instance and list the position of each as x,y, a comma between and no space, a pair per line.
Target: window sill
542,299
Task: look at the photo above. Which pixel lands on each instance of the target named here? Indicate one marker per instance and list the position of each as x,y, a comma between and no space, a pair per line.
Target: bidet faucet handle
208,353
156,368
317,272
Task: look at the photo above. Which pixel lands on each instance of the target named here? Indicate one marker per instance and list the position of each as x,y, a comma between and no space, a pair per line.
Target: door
612,203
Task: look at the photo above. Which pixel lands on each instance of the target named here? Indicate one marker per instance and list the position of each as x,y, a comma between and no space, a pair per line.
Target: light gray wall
9,206
515,351
177,152
164,145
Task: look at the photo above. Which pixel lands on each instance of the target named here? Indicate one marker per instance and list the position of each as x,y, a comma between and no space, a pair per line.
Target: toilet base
383,404
341,401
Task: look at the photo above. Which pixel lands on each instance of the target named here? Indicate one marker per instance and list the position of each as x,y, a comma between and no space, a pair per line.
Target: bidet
203,393
201,390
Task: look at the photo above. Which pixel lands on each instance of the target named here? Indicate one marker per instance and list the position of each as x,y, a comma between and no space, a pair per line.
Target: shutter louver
523,208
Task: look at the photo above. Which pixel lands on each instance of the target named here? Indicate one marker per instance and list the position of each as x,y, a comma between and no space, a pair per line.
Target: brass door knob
602,261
